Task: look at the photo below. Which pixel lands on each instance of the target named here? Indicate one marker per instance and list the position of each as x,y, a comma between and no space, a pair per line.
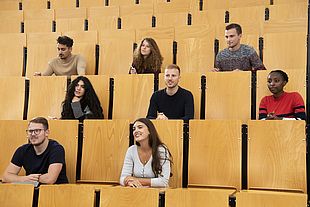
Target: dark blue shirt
26,157
178,106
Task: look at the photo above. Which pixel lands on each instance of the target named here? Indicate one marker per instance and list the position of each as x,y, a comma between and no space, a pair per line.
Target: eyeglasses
35,131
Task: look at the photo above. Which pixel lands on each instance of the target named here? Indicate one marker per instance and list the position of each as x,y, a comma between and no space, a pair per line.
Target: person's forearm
144,181
47,179
9,178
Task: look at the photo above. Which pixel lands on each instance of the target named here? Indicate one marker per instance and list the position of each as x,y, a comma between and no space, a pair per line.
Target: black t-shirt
178,106
26,157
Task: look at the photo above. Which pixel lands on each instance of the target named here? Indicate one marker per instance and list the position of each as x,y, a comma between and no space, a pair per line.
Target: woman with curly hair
148,162
81,101
146,58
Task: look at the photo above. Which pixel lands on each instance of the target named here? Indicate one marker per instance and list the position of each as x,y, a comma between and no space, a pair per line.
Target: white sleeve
127,166
163,179
291,118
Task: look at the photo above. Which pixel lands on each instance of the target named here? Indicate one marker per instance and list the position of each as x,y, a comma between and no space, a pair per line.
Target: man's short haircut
40,120
65,40
234,26
174,66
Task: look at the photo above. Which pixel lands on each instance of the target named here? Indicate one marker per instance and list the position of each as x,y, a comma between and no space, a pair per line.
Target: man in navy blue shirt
43,159
172,102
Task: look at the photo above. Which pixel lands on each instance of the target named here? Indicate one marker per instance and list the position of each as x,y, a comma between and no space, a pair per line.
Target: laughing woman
148,163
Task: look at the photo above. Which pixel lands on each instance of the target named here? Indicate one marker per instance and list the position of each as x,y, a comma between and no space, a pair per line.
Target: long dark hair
154,143
152,62
89,99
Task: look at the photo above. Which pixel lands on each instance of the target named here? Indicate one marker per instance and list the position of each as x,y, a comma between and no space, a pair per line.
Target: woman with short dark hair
281,104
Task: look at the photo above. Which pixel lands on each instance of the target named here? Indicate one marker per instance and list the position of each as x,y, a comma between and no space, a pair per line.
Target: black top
26,157
87,112
144,70
178,106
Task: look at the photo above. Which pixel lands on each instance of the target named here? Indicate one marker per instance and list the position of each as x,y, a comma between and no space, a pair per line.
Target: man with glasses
43,159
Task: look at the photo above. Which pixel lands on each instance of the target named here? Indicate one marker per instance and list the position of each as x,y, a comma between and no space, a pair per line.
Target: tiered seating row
190,42
104,144
110,53
103,196
212,98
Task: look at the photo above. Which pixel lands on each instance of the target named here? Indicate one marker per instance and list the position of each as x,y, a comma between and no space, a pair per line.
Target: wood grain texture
192,197
12,65
231,100
92,3
210,18
171,19
12,195
137,21
36,14
12,136
34,5
70,24
156,33
68,4
136,9
115,56
287,25
270,199
290,48
104,147
83,37
289,10
66,133
99,12
6,5
132,95
129,197
195,48
248,3
216,4
171,133
41,38
13,89
10,20
171,7
215,153
46,94
277,155
66,195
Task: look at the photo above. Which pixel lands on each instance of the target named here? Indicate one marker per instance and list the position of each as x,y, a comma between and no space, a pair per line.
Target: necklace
144,156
